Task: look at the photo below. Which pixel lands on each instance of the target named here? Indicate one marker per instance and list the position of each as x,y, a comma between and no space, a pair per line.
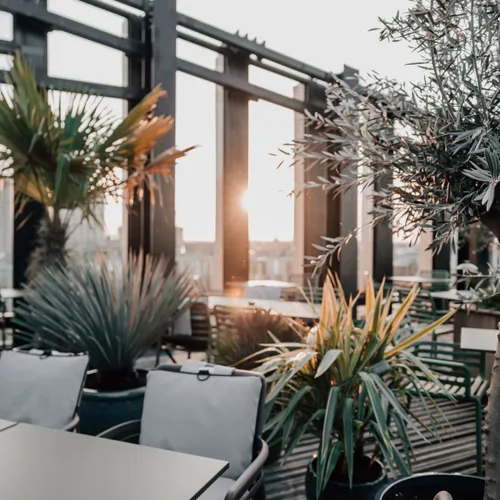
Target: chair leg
170,355
479,437
260,494
189,354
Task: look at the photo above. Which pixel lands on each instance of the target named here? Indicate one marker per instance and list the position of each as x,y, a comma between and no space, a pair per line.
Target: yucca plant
343,383
75,156
115,310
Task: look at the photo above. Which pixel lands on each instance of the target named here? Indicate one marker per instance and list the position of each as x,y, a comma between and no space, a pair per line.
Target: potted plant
344,383
115,311
238,344
74,157
430,151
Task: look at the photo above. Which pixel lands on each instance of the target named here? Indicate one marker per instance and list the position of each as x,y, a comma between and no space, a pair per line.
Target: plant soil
113,381
365,471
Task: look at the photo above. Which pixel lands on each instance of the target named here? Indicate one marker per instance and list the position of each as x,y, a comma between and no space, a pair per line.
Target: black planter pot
426,486
100,410
341,491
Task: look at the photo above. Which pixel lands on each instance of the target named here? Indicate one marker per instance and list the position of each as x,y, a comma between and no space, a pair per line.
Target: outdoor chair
206,410
423,311
191,332
42,387
461,373
440,274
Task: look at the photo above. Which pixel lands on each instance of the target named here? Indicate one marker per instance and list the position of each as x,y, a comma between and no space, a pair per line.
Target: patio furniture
42,387
454,369
438,274
192,332
45,464
281,307
421,280
211,411
423,311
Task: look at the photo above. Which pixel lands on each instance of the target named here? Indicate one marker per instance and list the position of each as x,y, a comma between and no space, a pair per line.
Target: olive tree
434,143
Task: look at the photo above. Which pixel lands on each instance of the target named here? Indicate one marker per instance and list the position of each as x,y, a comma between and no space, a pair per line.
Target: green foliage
111,309
249,329
75,156
429,150
345,383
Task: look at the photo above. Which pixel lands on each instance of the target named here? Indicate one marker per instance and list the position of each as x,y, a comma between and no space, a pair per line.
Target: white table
301,310
453,295
270,283
479,339
421,280
44,464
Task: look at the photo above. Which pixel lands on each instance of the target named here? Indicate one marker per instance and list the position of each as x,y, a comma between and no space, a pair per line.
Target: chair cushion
40,390
182,325
218,490
213,417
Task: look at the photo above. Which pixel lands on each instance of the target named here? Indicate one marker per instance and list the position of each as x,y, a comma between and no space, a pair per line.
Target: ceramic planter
426,486
101,410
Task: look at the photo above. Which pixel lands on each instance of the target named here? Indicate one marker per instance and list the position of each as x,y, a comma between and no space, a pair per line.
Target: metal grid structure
150,47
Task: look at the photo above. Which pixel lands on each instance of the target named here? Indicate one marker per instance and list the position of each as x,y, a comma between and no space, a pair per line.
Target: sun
245,201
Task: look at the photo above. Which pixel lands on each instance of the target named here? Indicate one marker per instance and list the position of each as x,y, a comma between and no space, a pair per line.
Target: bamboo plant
342,382
75,156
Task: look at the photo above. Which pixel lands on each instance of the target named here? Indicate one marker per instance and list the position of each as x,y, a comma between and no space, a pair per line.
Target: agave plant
342,382
111,309
75,156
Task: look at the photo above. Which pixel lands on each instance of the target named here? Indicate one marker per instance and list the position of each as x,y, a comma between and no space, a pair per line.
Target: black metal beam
252,47
65,85
164,36
7,47
56,22
232,82
112,9
135,4
278,71
220,49
232,113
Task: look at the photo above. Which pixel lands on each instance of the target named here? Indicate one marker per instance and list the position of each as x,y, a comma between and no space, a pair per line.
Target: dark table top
44,464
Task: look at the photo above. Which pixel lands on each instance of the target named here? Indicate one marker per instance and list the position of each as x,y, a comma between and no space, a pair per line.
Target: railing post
31,36
164,36
231,241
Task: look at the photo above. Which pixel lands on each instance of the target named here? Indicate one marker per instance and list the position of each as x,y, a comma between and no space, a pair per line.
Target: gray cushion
214,418
218,490
40,390
182,325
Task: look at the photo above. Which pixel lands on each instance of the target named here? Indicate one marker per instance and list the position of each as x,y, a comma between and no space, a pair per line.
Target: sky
324,33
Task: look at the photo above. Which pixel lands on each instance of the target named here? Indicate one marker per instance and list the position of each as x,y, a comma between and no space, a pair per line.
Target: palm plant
111,309
75,157
342,383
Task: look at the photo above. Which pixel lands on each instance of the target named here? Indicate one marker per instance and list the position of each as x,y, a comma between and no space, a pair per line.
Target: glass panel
270,209
78,59
87,14
195,178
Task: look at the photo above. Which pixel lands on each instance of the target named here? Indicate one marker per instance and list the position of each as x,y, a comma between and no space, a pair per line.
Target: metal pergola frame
150,45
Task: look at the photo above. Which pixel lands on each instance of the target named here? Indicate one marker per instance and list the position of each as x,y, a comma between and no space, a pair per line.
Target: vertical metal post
383,247
31,36
139,76
164,35
314,210
317,213
232,241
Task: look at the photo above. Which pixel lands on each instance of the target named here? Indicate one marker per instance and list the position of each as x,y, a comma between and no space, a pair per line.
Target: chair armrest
450,364
250,475
71,427
128,431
